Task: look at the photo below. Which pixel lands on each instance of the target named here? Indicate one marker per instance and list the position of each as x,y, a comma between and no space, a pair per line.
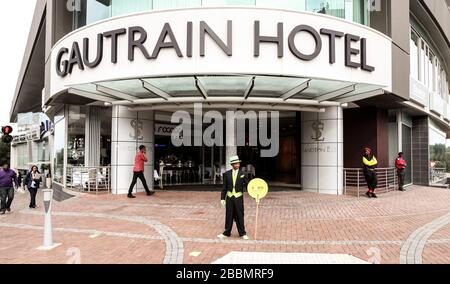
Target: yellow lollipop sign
258,189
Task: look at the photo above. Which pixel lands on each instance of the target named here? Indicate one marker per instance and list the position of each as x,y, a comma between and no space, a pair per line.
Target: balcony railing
355,183
438,175
89,179
437,104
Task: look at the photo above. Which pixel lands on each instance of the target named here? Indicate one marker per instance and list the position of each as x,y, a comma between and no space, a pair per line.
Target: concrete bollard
48,229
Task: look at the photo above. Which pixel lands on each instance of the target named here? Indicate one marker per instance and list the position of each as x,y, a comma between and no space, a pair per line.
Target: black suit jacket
241,183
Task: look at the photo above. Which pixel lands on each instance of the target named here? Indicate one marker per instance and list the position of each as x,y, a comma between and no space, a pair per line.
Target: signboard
208,41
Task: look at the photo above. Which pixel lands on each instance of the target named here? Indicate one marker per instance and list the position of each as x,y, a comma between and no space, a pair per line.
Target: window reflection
59,146
95,10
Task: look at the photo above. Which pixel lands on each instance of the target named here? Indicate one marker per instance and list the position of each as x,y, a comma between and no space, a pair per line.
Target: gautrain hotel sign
222,41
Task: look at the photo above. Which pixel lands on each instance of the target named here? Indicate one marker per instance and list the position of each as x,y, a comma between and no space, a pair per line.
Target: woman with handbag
33,182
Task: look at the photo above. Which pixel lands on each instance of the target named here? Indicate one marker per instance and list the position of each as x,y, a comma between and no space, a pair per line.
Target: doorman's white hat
234,160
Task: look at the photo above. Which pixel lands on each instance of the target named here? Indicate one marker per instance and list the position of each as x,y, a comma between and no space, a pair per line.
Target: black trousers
7,197
401,179
141,176
33,192
234,212
371,179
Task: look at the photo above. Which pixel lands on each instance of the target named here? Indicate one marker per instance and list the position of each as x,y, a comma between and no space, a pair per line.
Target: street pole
48,229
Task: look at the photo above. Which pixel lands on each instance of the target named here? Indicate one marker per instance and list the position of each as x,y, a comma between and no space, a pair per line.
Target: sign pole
256,221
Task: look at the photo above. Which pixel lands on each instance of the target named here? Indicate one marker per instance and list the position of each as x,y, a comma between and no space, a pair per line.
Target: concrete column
230,146
130,130
323,151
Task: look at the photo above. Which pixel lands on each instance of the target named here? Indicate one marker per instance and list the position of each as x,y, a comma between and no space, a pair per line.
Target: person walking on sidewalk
138,172
33,182
232,197
8,182
400,165
370,163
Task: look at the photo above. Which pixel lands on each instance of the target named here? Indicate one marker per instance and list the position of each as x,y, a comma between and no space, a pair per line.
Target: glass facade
22,156
76,136
95,10
438,166
59,148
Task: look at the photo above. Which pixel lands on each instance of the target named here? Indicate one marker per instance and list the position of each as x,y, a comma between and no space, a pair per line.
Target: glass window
120,7
437,156
168,4
431,71
297,5
105,136
414,55
228,2
43,153
94,10
357,11
22,156
334,8
59,146
76,136
97,10
423,64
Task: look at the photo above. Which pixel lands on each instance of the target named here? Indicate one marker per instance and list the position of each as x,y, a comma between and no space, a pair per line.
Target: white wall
125,146
323,161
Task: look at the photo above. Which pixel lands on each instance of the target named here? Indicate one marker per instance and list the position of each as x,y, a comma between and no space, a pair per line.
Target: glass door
407,151
212,164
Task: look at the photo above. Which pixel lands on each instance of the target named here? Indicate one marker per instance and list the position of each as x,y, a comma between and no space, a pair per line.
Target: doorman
234,183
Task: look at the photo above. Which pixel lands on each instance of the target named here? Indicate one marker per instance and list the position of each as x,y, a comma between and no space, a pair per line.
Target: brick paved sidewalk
181,227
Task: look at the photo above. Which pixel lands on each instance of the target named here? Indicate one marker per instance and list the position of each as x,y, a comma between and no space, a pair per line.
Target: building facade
327,77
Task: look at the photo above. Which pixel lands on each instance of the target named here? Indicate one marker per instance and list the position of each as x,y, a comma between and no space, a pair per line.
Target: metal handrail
354,180
438,175
89,179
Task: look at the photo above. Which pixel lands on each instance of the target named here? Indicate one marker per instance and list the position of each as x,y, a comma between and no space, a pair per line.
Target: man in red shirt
138,172
400,165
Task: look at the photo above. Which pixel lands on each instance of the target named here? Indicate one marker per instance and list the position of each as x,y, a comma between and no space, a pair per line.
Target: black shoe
368,194
131,196
8,209
2,212
150,193
374,195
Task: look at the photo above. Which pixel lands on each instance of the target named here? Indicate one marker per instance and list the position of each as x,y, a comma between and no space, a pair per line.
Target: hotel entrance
203,165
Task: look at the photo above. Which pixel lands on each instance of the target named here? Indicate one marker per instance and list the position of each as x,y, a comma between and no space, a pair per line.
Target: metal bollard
48,229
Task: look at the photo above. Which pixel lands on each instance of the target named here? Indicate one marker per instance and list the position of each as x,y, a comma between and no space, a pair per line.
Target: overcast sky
15,21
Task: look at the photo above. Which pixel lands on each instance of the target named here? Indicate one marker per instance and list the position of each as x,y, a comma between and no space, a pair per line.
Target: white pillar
130,130
230,146
322,151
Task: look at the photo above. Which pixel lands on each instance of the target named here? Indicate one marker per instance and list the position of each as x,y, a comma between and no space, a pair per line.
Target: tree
5,152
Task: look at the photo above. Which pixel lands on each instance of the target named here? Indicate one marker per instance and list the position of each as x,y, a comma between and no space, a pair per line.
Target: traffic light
7,138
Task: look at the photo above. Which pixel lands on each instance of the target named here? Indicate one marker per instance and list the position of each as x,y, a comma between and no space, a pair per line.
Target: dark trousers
371,180
139,175
7,197
401,179
33,192
234,212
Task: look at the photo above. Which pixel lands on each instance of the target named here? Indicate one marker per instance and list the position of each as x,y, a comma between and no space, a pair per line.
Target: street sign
257,189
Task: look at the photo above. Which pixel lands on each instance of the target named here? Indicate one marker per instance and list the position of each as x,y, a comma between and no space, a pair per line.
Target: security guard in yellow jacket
370,163
232,197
